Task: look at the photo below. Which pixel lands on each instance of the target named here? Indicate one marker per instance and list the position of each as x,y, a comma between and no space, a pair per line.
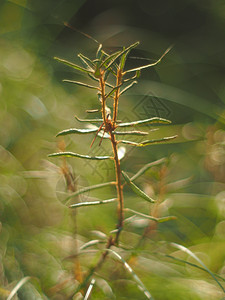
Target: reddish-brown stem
117,95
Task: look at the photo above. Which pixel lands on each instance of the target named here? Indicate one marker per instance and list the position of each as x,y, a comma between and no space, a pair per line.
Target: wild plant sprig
99,70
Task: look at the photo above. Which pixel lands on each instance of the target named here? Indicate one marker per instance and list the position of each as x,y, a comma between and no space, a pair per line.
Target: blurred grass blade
152,64
149,142
194,265
81,83
189,252
99,202
136,189
76,130
89,120
145,122
74,66
90,188
91,243
128,87
158,220
146,167
140,284
134,132
89,289
72,154
17,287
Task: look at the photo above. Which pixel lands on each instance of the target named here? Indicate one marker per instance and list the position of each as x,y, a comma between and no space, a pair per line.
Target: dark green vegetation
182,258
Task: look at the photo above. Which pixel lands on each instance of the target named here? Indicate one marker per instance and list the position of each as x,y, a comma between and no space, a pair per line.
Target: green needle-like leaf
158,220
76,205
186,250
140,284
134,132
149,142
146,167
74,66
150,65
72,154
81,83
136,189
75,130
90,188
128,87
113,90
145,122
89,120
121,53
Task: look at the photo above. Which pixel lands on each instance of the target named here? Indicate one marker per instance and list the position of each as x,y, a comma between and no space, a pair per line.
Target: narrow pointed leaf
81,83
128,87
149,142
99,202
109,57
146,167
76,130
89,120
90,188
91,111
113,90
158,220
189,252
136,189
18,286
86,62
140,284
133,132
121,53
72,154
145,122
152,64
73,65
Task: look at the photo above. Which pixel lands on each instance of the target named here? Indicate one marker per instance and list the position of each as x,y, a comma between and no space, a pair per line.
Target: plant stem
117,94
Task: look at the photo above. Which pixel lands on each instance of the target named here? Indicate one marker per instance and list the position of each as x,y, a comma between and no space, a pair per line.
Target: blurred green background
188,87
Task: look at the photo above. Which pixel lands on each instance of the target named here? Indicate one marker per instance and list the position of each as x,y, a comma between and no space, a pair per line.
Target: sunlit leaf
77,131
145,122
81,83
99,202
72,154
73,65
136,189
92,111
189,252
140,284
158,220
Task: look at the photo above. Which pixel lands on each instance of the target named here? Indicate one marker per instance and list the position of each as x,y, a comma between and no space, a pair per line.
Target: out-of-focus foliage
36,232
